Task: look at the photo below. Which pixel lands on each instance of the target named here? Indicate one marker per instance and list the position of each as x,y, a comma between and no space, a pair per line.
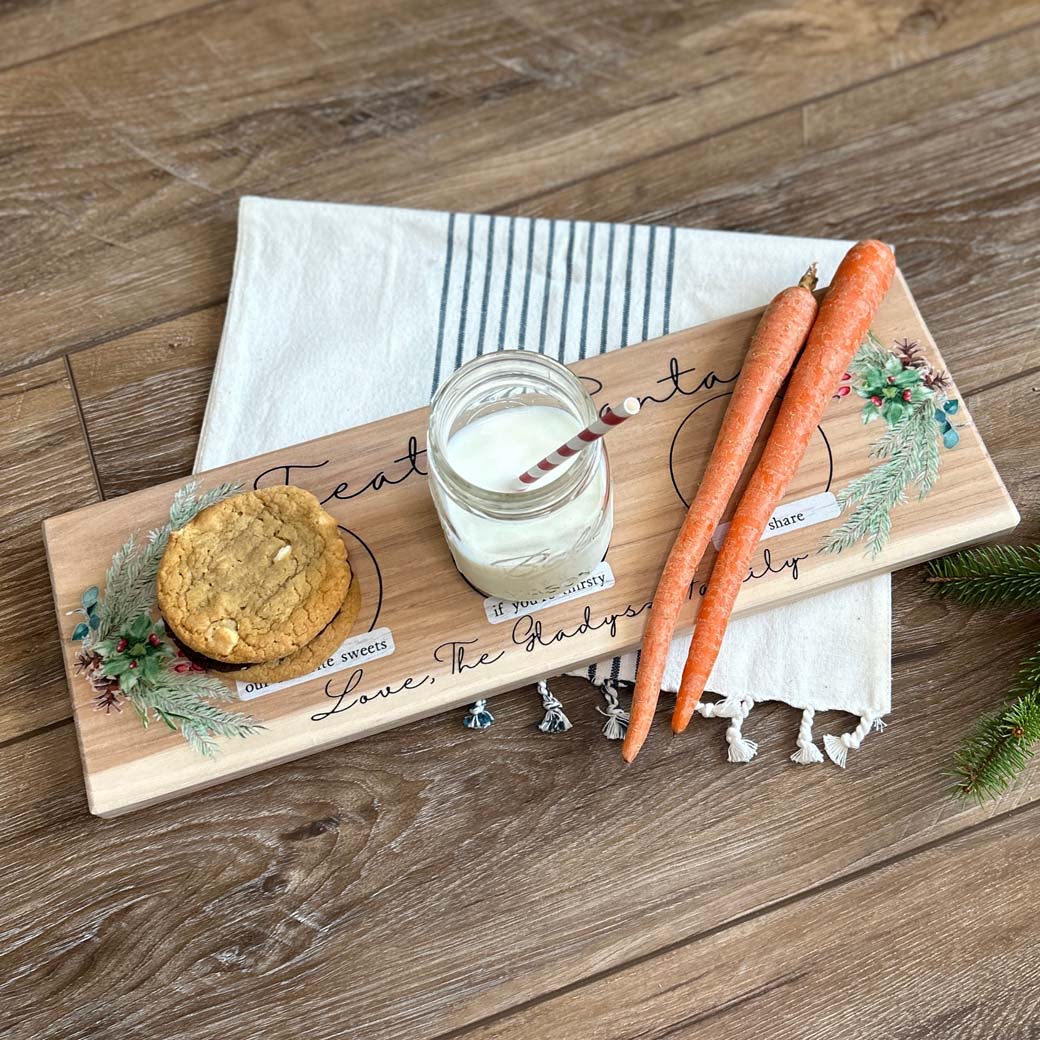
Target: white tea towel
341,314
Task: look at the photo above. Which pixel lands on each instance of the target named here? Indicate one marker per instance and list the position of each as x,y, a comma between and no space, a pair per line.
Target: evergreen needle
992,575
1003,742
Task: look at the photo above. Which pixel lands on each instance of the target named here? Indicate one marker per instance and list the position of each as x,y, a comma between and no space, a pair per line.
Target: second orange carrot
779,336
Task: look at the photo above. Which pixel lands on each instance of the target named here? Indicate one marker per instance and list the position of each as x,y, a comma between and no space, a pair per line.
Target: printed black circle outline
379,573
710,400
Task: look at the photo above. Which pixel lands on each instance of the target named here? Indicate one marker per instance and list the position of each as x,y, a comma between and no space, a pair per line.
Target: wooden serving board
446,652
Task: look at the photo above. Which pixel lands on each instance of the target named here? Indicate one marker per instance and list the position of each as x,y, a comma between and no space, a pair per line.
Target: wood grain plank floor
46,469
126,389
137,147
421,881
28,34
878,956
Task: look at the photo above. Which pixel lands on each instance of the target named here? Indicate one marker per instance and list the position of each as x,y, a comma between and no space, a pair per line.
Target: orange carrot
779,336
859,286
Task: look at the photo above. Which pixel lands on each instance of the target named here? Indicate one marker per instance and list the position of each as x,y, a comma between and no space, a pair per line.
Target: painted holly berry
186,664
843,391
891,390
137,654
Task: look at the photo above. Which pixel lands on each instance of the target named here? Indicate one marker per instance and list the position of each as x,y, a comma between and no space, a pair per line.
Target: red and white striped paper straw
604,424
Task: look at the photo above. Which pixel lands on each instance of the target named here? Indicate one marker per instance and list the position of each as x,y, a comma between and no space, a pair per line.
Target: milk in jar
493,419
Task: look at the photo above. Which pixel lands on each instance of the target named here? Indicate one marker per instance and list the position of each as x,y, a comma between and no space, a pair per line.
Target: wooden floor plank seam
110,36
830,885
83,426
511,204
827,95
1012,377
115,335
39,731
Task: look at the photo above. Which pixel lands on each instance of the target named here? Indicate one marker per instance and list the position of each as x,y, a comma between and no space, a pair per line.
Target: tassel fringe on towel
478,716
735,709
808,753
838,748
617,718
554,720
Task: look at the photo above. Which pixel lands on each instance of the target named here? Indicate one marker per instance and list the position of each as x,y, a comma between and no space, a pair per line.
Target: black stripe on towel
583,345
605,324
627,309
649,283
449,249
465,292
668,283
488,267
531,225
548,286
568,271
504,319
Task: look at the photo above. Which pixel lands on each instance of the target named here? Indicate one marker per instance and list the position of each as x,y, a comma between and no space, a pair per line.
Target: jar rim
543,496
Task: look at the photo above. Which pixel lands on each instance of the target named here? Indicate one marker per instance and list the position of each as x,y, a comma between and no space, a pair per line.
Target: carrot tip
809,279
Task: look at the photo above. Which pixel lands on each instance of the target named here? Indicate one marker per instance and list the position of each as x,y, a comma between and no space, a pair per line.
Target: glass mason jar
534,543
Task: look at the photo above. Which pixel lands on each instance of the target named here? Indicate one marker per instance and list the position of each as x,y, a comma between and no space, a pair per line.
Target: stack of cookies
258,586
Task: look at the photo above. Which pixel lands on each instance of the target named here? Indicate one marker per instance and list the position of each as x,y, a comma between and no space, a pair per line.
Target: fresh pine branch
1002,743
910,454
993,575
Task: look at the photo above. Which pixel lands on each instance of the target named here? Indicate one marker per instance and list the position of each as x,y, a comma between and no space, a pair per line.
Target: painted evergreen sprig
185,702
909,454
130,581
900,388
1003,742
990,576
126,656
